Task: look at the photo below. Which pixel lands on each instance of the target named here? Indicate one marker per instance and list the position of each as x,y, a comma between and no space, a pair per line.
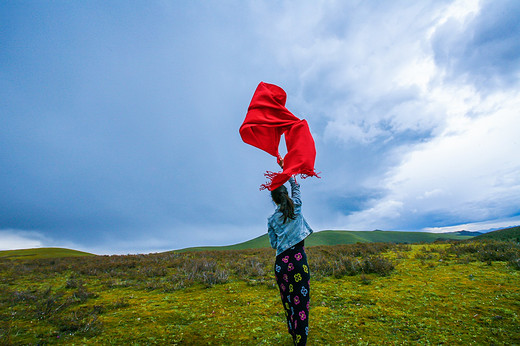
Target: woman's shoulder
273,216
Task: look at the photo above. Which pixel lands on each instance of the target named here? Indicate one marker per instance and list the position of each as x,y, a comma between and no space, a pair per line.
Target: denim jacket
285,235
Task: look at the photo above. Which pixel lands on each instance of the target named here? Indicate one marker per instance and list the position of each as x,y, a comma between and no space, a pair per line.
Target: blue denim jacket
285,235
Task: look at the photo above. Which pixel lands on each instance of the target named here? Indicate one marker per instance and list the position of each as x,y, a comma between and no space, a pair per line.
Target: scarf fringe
313,173
271,175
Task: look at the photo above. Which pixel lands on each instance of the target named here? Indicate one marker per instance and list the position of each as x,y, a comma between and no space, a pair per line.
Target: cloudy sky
119,120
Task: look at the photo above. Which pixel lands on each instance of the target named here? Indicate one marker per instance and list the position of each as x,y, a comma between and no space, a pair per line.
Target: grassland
371,293
343,237
49,252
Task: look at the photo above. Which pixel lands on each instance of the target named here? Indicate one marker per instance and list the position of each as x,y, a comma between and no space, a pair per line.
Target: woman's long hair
281,197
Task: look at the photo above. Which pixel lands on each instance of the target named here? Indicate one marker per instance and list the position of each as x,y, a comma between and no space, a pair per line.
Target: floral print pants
293,278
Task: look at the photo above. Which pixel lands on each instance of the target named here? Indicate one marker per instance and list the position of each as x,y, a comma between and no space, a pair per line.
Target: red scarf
266,120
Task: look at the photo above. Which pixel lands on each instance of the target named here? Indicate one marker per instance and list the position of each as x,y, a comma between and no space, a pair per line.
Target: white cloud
459,11
365,68
377,216
13,240
469,172
477,226
368,68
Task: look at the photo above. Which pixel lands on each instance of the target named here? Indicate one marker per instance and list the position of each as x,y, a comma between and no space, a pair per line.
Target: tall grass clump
57,307
487,250
354,259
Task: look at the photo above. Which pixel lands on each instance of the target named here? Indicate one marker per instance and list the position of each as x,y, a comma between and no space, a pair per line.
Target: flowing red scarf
266,120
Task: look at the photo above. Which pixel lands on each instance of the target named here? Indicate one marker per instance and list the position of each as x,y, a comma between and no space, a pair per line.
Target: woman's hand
280,162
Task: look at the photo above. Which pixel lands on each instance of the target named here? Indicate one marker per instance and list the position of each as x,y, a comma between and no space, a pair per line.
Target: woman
287,230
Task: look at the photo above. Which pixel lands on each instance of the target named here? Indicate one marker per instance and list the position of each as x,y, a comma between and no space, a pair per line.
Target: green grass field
444,293
48,252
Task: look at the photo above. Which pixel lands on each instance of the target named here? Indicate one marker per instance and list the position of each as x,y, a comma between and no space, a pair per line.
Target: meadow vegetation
366,293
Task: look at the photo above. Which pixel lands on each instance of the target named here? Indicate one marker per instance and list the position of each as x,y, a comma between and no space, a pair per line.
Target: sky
119,120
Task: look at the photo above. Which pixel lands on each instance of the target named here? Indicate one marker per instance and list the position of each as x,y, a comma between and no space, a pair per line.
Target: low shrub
514,263
340,260
485,250
377,265
83,322
82,294
252,267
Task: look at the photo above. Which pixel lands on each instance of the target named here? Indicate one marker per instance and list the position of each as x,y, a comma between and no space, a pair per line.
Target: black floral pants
293,278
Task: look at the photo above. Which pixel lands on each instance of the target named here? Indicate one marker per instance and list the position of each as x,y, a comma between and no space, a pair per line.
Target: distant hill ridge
470,233
507,234
330,237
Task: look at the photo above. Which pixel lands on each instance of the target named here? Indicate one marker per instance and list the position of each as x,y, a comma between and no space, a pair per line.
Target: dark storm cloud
355,200
111,120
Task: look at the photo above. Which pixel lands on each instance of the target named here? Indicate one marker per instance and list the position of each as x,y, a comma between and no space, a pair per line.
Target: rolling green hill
342,237
506,234
45,252
350,237
255,243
